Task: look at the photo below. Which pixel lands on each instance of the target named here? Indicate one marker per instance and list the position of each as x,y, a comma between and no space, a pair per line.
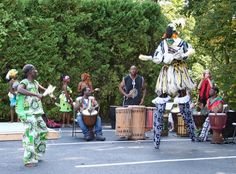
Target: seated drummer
214,104
82,104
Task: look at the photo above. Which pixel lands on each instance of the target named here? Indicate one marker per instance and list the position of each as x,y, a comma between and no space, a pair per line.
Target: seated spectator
214,104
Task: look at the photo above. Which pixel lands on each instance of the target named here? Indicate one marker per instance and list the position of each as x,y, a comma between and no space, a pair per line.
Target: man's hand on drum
129,95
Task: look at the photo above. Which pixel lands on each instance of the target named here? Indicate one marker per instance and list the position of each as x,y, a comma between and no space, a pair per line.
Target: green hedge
102,37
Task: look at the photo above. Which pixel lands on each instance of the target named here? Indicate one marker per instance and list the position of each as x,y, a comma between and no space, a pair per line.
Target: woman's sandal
30,164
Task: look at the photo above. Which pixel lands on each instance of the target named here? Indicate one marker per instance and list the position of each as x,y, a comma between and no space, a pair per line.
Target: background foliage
215,33
105,37
102,37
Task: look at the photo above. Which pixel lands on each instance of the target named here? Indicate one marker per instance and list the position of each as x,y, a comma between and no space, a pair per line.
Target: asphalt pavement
72,155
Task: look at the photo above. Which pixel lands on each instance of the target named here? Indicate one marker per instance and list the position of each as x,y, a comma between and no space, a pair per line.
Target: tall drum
174,112
182,130
165,129
217,122
123,122
138,122
149,118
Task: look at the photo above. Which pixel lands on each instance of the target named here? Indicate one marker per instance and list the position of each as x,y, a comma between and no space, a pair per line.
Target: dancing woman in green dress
29,109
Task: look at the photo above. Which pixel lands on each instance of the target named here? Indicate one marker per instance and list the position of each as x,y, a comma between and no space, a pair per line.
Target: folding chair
75,125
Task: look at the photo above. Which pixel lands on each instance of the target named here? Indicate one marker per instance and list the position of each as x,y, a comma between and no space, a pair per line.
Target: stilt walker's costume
29,109
173,80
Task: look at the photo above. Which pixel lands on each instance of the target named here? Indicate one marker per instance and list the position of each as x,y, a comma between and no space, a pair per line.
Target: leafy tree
103,38
216,30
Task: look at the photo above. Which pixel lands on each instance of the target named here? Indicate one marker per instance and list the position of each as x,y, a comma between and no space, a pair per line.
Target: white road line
114,142
155,161
80,131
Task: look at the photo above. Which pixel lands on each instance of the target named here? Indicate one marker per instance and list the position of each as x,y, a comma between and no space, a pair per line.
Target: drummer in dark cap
29,110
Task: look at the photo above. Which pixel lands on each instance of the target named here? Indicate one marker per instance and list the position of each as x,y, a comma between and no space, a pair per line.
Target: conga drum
217,122
123,122
138,122
182,130
90,119
149,118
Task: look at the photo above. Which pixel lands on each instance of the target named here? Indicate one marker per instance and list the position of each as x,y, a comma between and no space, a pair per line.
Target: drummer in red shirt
214,104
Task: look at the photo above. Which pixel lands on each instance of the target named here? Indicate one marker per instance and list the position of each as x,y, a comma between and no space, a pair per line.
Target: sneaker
199,139
88,138
100,138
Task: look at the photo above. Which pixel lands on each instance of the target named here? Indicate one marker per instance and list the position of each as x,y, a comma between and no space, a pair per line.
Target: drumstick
144,57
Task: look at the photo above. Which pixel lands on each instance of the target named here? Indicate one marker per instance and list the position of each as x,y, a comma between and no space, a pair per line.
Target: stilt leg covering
158,124
188,119
205,129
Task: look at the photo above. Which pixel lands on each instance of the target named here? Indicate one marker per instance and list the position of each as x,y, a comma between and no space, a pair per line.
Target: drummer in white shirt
87,103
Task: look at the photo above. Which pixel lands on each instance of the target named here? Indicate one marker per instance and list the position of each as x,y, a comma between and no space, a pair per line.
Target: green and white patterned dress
29,109
64,105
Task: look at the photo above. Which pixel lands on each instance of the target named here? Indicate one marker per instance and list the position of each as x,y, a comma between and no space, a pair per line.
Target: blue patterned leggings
205,129
158,121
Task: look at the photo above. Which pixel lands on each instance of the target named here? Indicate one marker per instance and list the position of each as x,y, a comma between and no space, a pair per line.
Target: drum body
217,122
138,122
174,112
112,115
165,130
89,118
199,120
182,130
149,118
123,121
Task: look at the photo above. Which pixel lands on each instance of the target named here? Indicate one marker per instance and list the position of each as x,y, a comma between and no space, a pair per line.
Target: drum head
87,113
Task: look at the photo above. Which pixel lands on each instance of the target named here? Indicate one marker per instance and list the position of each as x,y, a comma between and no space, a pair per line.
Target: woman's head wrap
27,68
11,74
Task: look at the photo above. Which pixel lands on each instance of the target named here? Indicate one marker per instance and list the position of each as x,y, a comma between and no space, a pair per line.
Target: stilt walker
173,80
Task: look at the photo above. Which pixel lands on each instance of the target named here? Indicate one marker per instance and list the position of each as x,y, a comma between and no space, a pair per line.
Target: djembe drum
217,122
123,122
90,119
138,122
